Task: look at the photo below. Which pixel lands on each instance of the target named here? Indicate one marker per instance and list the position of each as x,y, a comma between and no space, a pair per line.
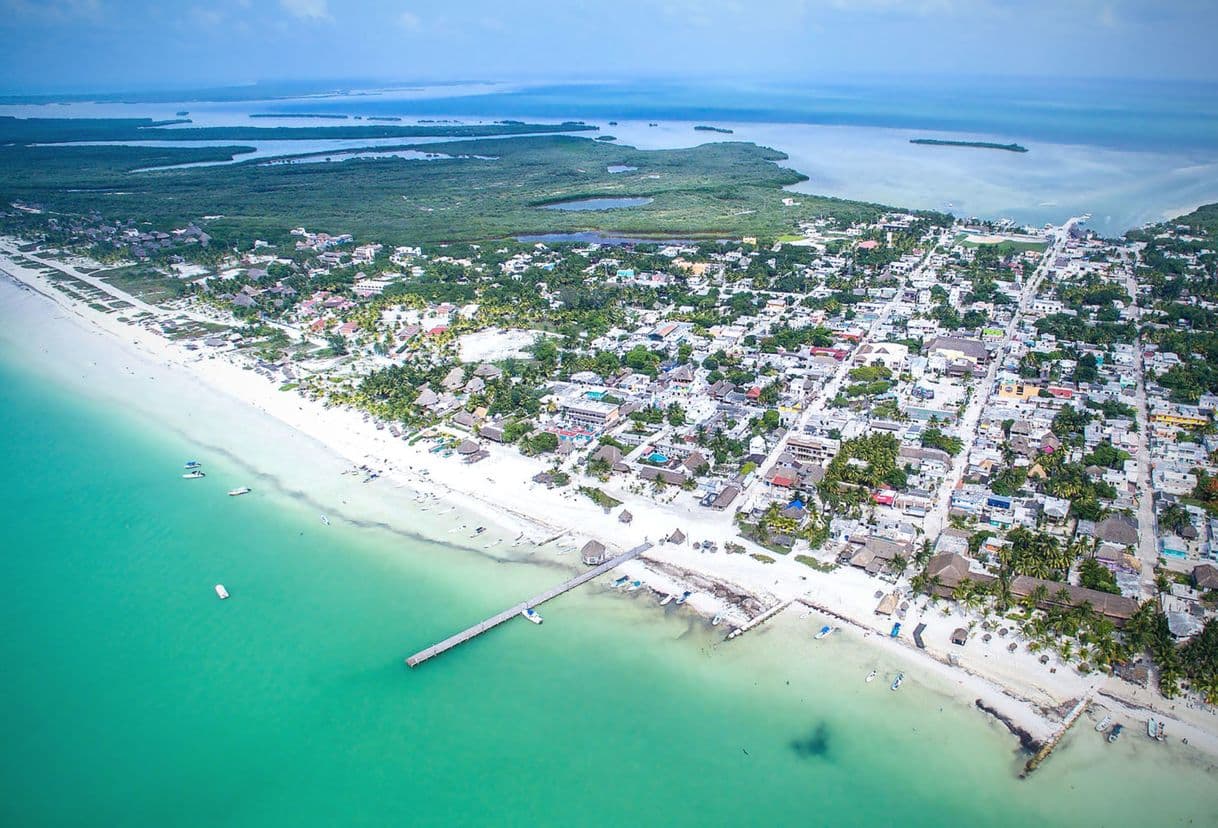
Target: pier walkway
511,612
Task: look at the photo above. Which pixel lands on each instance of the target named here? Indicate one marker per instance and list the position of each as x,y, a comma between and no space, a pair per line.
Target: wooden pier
511,612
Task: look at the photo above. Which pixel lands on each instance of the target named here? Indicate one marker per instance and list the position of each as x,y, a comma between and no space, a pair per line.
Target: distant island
935,142
704,128
330,116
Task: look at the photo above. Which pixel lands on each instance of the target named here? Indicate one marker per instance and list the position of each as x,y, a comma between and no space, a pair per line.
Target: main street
935,519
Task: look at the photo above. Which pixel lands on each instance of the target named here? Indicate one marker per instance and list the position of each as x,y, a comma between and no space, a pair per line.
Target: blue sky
129,44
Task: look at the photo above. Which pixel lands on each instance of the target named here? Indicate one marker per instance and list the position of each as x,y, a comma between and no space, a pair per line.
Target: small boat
717,620
667,599
193,475
684,597
896,630
192,464
479,530
1115,733
1103,723
620,581
1152,729
824,631
896,682
325,520
634,585
221,591
532,615
871,676
1161,734
239,491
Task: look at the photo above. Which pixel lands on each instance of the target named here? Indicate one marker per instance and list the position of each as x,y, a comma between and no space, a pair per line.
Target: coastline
326,442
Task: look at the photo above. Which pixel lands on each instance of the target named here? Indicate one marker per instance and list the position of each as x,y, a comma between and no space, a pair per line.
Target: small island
936,142
704,128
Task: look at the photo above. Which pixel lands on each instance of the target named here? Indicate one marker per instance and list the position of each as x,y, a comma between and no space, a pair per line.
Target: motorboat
194,474
824,631
871,676
1102,724
532,615
221,591
898,681
239,491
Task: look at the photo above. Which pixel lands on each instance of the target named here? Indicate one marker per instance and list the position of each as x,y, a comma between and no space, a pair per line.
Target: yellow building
1017,391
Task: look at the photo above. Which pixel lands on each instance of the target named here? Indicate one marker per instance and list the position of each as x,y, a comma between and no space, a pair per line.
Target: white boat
532,615
871,676
221,591
1152,729
667,599
684,597
193,475
1102,724
898,681
239,491
824,631
193,464
717,620
325,520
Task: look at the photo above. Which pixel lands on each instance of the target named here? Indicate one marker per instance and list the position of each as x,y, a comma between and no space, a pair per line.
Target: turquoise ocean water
132,696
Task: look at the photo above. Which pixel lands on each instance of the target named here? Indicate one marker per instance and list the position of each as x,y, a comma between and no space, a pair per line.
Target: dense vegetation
722,189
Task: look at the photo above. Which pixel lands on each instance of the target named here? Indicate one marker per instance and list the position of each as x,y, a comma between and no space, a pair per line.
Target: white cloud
306,9
409,21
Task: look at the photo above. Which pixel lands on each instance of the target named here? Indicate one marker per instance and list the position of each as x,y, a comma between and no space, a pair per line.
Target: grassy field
719,189
144,282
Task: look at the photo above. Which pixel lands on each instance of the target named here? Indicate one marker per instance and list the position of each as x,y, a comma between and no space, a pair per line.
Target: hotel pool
657,458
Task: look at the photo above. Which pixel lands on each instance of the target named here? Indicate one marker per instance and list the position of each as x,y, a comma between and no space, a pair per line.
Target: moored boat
896,630
871,676
824,631
898,681
239,491
1152,728
192,464
684,597
1102,724
325,520
193,475
717,620
1115,733
1161,733
221,591
532,615
667,599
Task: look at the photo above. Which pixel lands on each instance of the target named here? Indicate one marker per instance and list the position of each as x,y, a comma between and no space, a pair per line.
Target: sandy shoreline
206,389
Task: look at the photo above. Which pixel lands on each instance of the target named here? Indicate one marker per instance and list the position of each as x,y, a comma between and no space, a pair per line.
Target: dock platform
511,612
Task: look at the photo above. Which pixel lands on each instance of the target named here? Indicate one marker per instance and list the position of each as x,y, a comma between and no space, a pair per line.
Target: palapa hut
677,536
468,447
594,553
888,604
960,636
625,517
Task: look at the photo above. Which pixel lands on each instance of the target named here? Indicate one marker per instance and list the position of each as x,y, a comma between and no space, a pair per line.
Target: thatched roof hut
625,517
888,604
467,447
960,636
594,553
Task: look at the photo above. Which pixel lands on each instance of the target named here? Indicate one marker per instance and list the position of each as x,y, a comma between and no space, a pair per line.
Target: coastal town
1000,437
